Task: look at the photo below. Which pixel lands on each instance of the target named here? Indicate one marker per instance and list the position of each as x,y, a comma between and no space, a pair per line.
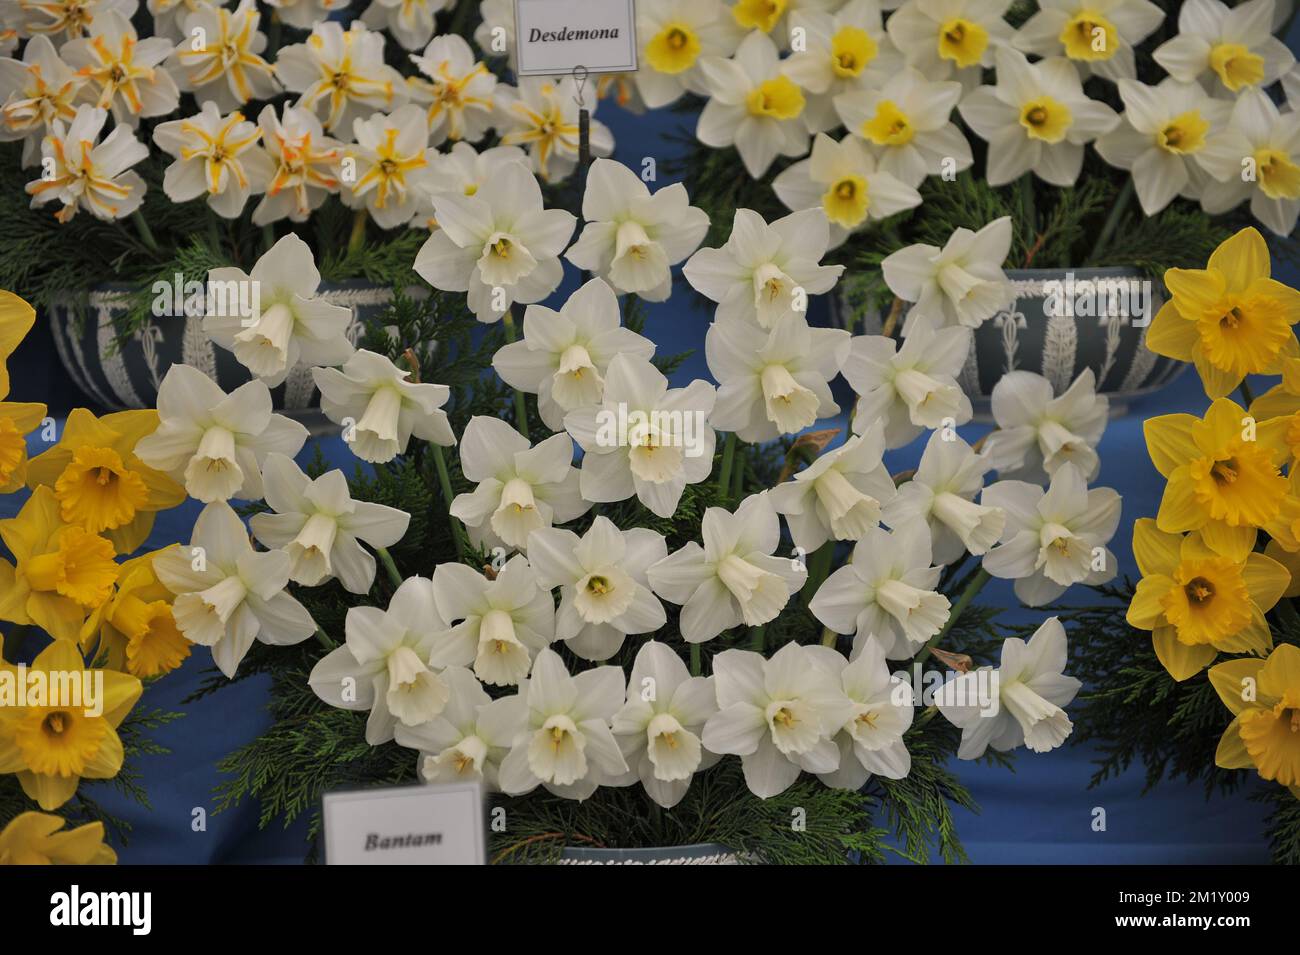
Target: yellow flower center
1272,738
758,14
1210,603
1243,334
1236,66
13,450
156,645
777,98
962,41
57,742
1240,485
674,49
81,569
1089,36
1183,134
1046,119
598,585
889,127
851,50
846,201
1279,176
98,491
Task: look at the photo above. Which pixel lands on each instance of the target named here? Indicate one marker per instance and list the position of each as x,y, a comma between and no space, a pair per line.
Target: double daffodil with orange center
1224,477
52,748
1229,319
135,628
1197,602
1264,697
547,128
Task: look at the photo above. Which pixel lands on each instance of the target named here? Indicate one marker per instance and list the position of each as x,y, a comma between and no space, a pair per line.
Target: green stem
386,559
738,476
757,639
1246,394
268,237
696,663
1112,221
829,637
819,566
728,455
325,641
358,237
977,582
146,233
1027,202
521,408
444,482
14,641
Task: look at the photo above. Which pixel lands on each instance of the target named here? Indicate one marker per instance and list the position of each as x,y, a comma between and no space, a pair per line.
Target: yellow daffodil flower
1264,697
52,748
16,320
62,573
17,419
135,627
1224,477
37,838
100,484
1291,561
1197,602
1283,401
1229,319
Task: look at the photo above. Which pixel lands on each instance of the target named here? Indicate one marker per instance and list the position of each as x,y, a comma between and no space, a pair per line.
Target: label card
405,825
555,36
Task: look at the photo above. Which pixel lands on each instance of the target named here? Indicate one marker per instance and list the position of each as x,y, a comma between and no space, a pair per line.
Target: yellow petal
1231,753
1146,611
1277,402
1231,542
1256,637
1156,551
1195,290
16,320
1224,422
1241,259
1171,334
61,656
1182,661
50,792
107,761
127,538
1217,382
1229,680
1179,508
1170,441
1266,580
1281,673
1291,561
121,692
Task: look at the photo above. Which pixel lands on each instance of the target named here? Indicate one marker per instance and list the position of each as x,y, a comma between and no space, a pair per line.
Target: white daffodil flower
215,443
499,244
390,160
838,496
752,106
409,21
674,36
765,271
734,578
306,165
520,488
219,57
886,590
953,38
604,592
773,17
383,664
125,72
1165,128
942,494
776,382
292,326
960,284
467,741
907,123
564,356
61,20
840,53
1038,432
843,180
567,746
463,170
34,92
778,715
644,438
169,15
871,739
910,388
458,90
318,524
1098,36
343,72
227,594
658,728
1036,119
541,115
379,409
1227,49
301,14
632,237
1055,538
1031,691
81,174
503,623
1258,139
216,156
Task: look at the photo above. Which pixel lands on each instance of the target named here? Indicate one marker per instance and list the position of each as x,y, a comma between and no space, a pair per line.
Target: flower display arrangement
641,615
76,617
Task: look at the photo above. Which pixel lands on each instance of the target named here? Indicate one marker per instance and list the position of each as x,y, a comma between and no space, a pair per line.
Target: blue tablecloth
1041,813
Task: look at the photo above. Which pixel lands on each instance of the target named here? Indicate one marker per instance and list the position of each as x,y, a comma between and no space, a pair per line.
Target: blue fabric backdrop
1041,813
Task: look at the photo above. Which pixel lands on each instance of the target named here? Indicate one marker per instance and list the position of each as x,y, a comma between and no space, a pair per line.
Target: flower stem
386,559
444,482
977,582
829,637
696,663
325,641
146,233
738,476
358,237
757,639
521,408
1246,394
268,237
1112,221
818,569
728,455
